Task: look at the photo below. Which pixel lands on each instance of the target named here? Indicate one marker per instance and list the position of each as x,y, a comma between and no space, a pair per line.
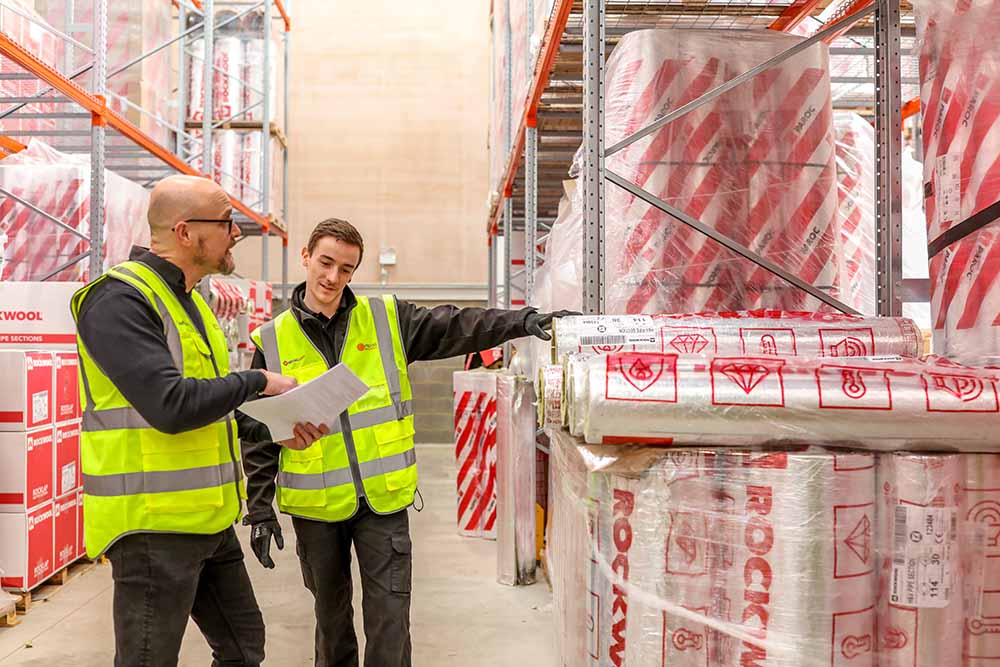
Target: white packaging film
515,481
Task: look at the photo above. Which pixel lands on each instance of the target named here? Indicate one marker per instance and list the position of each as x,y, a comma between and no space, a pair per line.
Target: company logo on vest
367,347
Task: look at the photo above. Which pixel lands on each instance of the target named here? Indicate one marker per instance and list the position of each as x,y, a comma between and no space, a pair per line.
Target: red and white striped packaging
226,147
229,74
920,558
960,103
43,45
475,452
855,150
770,185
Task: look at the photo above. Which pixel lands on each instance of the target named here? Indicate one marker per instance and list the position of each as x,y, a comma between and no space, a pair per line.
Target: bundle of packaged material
914,404
770,183
856,193
476,452
59,184
960,102
516,549
43,45
767,333
499,98
135,27
251,168
252,35
804,557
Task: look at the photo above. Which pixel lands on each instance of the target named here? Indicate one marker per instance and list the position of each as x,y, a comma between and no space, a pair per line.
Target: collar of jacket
171,273
303,314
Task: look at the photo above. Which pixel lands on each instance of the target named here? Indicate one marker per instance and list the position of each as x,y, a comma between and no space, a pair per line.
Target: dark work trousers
382,543
161,579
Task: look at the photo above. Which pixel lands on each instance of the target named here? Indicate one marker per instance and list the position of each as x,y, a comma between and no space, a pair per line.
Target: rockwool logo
622,532
757,572
41,568
21,316
40,492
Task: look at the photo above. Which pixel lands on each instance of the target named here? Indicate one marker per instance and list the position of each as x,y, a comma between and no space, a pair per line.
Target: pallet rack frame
892,290
135,156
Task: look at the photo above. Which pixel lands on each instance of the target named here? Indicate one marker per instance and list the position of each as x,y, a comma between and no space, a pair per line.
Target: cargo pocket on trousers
402,564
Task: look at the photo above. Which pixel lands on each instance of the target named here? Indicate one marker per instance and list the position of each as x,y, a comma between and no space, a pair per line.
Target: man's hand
305,435
537,323
277,384
260,541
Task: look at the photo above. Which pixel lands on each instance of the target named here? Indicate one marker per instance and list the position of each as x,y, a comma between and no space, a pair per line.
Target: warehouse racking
562,109
77,100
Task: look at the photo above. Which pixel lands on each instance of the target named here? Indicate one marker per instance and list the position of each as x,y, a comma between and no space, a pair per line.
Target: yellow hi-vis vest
370,447
137,479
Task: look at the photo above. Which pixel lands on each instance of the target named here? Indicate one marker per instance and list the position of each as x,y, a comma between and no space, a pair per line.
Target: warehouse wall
389,102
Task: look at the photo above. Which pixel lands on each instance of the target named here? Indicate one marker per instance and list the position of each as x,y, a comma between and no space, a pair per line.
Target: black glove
260,541
536,323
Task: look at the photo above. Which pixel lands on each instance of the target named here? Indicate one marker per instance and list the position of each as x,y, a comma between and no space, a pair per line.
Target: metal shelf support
888,160
98,136
593,160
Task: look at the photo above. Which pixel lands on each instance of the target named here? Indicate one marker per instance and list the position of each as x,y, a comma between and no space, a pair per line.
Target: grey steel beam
530,211
508,234
62,267
729,243
491,255
44,214
888,160
832,29
209,86
98,136
284,160
593,157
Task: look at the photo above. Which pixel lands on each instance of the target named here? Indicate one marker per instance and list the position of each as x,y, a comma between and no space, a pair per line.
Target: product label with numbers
948,202
609,331
922,556
40,406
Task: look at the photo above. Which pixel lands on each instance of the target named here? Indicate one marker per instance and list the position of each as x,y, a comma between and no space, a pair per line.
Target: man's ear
305,258
182,234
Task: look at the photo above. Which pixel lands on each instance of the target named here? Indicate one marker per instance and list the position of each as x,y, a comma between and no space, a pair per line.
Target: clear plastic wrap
926,404
802,557
519,46
856,193
475,402
59,184
252,35
499,121
960,102
761,332
515,481
46,47
251,185
757,164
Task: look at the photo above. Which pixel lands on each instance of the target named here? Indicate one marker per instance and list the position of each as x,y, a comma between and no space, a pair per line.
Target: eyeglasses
229,222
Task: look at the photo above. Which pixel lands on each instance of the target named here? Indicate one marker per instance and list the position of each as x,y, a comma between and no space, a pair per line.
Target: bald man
163,517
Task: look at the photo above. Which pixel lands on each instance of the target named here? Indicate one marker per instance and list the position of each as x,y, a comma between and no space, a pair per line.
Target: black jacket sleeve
260,463
125,338
448,331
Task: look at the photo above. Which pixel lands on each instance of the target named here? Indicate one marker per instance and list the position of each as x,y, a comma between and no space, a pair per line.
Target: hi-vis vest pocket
397,456
301,481
195,488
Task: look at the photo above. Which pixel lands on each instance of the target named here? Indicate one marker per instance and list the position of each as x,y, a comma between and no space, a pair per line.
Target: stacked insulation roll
856,212
804,557
960,102
475,403
770,184
515,481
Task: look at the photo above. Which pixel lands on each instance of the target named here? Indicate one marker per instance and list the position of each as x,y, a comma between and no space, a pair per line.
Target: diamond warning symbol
689,343
853,534
748,381
860,539
746,376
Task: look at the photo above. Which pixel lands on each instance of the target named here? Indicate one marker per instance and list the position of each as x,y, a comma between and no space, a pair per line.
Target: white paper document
320,401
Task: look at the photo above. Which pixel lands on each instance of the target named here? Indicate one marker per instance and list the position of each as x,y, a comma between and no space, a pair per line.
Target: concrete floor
460,615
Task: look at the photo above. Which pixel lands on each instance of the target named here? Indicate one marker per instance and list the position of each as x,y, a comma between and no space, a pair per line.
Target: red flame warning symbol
641,373
853,383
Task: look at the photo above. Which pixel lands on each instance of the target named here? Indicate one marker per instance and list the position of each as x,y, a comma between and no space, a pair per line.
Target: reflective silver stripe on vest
332,478
375,417
269,341
388,464
169,326
113,419
160,481
384,334
314,481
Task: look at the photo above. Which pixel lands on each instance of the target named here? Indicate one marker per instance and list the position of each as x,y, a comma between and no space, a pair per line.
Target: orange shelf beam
284,14
794,14
103,115
11,146
911,108
549,51
852,7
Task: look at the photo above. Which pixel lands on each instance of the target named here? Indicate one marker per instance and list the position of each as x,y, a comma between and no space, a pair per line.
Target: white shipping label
922,566
40,406
67,477
612,332
948,196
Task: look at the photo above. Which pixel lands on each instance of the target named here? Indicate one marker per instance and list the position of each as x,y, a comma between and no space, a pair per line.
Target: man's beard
223,266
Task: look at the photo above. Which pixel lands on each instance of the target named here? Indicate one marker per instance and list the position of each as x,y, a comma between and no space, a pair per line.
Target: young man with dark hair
355,485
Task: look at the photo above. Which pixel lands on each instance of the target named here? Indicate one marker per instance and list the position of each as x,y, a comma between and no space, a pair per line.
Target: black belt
968,226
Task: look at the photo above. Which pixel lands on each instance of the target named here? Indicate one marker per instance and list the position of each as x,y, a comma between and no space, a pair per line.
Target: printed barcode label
598,341
922,569
40,406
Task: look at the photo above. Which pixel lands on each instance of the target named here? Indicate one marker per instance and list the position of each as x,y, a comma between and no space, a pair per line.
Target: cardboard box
66,384
37,315
65,522
81,549
26,540
26,462
67,475
27,396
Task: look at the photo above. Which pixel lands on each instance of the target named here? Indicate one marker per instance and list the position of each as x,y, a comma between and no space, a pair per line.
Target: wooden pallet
9,619
45,590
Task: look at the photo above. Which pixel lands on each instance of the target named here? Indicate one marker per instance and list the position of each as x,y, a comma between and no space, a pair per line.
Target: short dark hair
339,229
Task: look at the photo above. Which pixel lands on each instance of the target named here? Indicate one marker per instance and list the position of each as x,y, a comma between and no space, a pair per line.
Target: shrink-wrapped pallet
770,182
475,403
45,46
960,103
926,404
856,211
515,480
252,35
59,184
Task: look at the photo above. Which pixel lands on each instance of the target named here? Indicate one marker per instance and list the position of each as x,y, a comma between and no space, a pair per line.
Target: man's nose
234,231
